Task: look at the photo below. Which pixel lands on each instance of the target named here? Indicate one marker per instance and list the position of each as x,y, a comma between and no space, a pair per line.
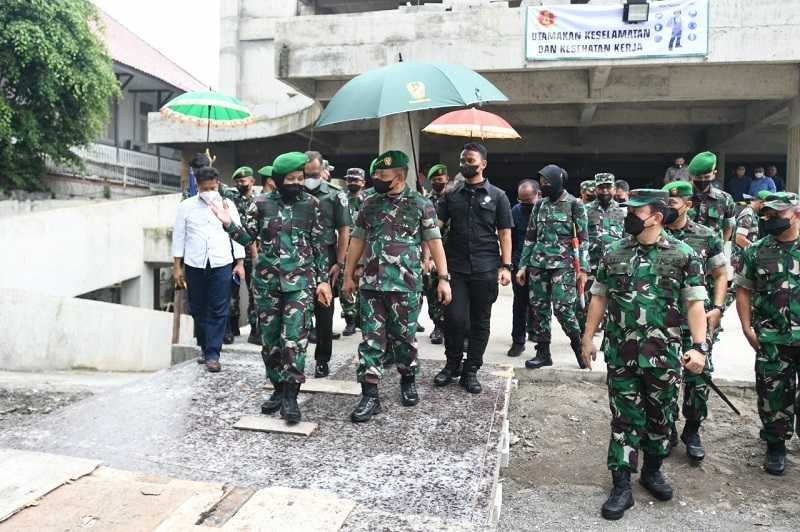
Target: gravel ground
21,407
557,478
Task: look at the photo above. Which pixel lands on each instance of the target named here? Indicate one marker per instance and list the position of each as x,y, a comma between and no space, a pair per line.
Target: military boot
420,328
516,350
321,370
775,460
469,380
350,327
290,410
652,480
575,344
274,402
542,357
437,336
408,390
254,338
691,438
369,405
620,498
450,371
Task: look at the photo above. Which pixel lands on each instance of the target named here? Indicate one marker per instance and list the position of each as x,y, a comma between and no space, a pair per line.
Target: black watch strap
703,347
508,267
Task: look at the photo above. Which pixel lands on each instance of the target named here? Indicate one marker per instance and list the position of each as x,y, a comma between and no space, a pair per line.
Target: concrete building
287,58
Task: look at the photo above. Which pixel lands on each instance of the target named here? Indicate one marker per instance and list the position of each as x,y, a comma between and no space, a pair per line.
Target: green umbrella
207,108
405,87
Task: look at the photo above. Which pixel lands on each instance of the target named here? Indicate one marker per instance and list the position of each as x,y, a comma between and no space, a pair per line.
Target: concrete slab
271,424
327,386
68,381
27,476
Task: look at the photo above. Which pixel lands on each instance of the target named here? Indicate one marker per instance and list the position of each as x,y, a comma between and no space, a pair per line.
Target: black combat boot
575,344
542,357
469,380
449,372
290,410
420,328
274,402
321,370
775,461
516,350
691,438
652,480
335,335
227,338
254,338
369,405
437,336
620,498
350,328
408,391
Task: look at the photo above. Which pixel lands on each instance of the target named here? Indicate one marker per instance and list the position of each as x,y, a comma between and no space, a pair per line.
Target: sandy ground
557,479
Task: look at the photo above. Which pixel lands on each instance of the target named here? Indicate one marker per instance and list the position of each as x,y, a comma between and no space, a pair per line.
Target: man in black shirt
479,215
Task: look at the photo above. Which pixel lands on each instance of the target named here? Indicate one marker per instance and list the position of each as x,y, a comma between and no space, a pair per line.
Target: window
141,129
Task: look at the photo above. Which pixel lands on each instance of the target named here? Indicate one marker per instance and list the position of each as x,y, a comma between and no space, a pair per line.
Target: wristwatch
444,277
703,347
508,267
720,308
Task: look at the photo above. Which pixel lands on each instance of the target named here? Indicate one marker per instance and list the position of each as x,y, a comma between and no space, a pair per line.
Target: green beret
780,201
588,185
437,169
391,159
372,166
683,189
289,162
762,195
242,171
646,196
604,178
703,163
265,171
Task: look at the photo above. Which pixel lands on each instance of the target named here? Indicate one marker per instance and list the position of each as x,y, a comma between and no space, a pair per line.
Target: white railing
123,166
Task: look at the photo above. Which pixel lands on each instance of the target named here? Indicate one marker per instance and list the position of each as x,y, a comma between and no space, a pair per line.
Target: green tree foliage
56,82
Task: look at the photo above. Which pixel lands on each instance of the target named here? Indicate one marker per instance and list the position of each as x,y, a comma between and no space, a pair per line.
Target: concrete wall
43,332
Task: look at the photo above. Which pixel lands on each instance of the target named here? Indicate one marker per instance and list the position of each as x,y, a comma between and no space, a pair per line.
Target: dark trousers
519,326
473,297
323,320
209,299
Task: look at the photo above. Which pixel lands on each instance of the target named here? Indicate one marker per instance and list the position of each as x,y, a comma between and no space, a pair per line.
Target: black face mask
243,189
526,208
702,186
290,192
670,215
469,170
775,226
382,187
438,187
353,187
604,199
634,225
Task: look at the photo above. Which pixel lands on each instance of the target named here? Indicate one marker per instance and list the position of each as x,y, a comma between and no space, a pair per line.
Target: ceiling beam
756,115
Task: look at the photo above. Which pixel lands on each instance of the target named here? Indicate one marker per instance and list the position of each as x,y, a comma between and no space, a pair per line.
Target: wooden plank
328,386
27,476
283,509
271,424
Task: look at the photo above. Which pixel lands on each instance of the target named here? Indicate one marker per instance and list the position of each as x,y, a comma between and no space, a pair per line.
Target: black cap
553,171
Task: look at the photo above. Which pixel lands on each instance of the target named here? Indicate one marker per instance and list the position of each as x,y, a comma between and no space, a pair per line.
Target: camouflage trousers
252,312
557,288
777,372
284,318
640,400
435,308
389,327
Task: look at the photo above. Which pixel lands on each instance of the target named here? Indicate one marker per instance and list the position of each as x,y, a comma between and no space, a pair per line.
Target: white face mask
759,175
210,196
312,183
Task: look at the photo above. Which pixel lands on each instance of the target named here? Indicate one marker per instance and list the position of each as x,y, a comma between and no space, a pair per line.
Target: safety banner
585,31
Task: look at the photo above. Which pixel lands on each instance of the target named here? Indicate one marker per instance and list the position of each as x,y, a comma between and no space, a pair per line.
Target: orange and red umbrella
472,123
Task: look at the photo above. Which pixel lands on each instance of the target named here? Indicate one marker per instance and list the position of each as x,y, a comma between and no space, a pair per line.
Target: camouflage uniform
714,209
291,262
605,226
747,226
770,270
645,286
350,306
708,247
548,256
243,205
392,229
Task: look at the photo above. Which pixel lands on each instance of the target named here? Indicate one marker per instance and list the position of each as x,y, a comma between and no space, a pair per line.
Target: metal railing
126,167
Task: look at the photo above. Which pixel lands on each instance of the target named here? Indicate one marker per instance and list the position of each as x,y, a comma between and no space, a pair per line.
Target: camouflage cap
326,165
437,169
588,185
604,178
288,162
682,189
265,171
242,171
391,159
703,163
780,201
762,195
355,173
646,196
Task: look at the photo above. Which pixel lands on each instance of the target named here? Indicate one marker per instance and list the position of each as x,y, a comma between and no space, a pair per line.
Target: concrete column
138,292
395,135
229,56
721,161
793,148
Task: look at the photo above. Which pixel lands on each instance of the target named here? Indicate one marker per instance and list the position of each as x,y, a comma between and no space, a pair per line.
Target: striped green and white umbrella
208,108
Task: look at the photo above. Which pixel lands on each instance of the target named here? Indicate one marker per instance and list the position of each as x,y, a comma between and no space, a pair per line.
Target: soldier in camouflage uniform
355,199
336,224
768,301
389,230
243,196
605,219
747,226
292,266
547,263
267,183
645,281
708,246
439,179
711,206
588,191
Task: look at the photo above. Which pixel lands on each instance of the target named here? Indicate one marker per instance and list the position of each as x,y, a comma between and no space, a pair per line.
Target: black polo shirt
475,214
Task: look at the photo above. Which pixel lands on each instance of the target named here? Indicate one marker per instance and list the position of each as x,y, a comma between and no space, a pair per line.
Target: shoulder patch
343,199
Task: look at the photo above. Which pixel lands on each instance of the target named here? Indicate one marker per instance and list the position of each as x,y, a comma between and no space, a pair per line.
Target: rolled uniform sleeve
599,287
716,254
693,288
745,277
428,221
730,212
